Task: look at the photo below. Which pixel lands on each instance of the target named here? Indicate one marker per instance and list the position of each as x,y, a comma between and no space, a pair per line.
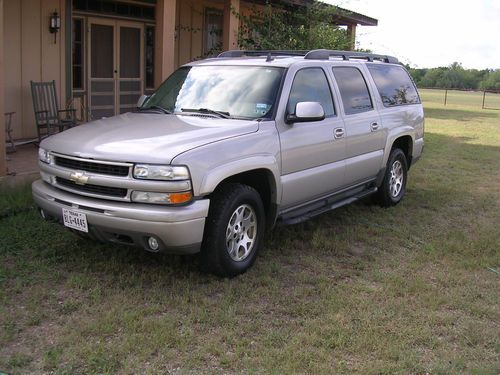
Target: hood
145,137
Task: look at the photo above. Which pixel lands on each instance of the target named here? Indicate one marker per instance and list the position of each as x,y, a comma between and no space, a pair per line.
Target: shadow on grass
457,114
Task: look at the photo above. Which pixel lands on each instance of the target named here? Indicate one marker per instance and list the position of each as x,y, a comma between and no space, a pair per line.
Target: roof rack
317,54
260,53
324,54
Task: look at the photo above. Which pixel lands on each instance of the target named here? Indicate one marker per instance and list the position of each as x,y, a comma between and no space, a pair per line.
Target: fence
485,99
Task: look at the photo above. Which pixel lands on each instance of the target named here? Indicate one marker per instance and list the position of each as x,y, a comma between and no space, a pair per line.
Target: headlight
160,172
44,155
161,198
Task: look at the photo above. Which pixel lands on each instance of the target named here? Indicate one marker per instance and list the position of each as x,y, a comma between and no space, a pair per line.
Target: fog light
153,243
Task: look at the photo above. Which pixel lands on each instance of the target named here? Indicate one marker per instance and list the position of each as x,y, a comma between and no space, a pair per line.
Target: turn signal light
177,198
161,198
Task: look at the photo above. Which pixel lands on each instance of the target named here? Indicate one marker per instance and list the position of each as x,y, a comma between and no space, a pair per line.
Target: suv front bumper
179,230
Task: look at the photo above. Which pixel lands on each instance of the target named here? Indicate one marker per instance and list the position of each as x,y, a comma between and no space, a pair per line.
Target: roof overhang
344,17
348,17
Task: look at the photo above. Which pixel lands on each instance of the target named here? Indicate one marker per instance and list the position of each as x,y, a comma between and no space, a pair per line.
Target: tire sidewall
396,155
245,196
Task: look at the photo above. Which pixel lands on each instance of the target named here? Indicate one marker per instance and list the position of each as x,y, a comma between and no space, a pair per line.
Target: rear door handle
374,126
338,133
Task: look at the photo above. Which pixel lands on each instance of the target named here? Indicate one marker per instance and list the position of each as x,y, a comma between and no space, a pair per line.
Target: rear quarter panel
400,121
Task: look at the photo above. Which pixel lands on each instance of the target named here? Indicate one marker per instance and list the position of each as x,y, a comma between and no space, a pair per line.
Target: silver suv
229,146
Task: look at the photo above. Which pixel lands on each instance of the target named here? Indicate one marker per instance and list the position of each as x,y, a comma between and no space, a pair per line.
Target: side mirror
306,112
141,100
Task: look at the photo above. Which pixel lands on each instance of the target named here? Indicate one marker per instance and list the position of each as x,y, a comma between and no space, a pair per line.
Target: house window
114,8
150,57
214,21
77,54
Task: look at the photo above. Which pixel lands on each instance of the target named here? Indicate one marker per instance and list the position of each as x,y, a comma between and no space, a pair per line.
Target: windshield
235,91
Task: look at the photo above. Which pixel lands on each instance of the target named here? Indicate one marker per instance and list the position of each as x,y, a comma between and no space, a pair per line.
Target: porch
22,166
104,54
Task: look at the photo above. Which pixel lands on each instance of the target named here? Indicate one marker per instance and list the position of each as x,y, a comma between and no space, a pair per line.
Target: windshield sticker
262,108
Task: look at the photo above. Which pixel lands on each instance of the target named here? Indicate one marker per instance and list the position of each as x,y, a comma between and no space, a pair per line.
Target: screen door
116,66
130,67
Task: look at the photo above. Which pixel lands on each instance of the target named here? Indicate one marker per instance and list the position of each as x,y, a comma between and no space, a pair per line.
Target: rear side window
353,90
310,85
394,85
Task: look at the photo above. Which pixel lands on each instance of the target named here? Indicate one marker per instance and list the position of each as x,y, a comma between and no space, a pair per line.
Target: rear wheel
233,231
393,186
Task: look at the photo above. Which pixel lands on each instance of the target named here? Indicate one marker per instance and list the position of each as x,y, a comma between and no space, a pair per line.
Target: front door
312,153
116,66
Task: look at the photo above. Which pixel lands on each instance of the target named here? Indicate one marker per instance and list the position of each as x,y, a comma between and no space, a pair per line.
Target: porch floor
23,161
22,166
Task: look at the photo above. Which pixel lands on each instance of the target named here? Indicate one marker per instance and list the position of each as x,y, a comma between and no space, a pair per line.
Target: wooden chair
47,112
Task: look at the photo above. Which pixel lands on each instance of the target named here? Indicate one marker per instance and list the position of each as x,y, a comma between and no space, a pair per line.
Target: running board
290,218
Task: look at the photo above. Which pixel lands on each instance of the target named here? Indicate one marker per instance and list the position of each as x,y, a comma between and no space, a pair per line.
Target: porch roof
344,18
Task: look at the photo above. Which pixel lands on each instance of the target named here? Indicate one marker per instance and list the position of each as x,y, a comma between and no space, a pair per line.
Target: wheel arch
405,144
264,182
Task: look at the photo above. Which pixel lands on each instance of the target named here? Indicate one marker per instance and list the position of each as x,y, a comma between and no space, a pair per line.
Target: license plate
75,220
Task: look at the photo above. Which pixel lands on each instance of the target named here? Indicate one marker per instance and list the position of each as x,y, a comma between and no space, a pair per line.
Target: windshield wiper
207,110
155,107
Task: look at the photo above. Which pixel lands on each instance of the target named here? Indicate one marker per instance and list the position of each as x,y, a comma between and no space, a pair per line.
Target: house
104,54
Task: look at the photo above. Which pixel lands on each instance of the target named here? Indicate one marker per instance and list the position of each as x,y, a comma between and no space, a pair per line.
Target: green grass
359,290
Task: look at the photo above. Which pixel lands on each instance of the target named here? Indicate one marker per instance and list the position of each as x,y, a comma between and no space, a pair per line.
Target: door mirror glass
306,112
141,100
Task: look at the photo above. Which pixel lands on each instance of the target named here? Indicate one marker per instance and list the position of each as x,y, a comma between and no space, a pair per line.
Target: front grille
88,166
93,189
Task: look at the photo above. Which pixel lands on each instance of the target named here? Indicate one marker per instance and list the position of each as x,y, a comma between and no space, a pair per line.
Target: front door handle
338,133
374,126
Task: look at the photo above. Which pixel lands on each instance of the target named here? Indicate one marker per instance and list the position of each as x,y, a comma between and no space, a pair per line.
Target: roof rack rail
325,54
260,53
317,54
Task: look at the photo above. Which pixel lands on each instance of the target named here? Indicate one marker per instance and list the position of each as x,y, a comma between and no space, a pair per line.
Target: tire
236,211
393,187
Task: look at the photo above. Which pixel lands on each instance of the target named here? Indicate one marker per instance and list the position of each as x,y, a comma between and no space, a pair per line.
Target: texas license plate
75,220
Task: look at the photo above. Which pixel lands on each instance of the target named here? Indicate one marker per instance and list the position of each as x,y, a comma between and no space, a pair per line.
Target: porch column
164,39
231,25
3,156
351,33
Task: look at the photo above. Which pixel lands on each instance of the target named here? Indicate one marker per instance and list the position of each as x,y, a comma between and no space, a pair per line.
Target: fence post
445,96
484,96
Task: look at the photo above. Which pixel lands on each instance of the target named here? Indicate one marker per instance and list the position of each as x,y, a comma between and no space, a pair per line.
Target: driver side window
311,85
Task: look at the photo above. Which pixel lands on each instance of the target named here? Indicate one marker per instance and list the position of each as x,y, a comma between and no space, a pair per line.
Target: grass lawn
362,289
454,98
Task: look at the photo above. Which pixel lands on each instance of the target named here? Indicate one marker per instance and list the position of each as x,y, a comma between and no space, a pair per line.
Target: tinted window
394,85
310,85
353,90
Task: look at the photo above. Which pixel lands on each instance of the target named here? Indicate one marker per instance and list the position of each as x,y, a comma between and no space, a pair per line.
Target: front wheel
233,231
393,186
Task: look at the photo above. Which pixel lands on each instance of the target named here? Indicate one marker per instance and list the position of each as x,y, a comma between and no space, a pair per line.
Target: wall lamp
54,24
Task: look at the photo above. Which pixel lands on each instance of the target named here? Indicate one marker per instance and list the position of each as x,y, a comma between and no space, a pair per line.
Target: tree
492,82
451,77
274,27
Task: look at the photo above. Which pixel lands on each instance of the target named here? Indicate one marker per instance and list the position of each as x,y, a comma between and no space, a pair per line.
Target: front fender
215,162
212,178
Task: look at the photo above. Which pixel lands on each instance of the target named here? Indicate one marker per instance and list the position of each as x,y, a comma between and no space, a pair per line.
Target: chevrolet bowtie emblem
79,178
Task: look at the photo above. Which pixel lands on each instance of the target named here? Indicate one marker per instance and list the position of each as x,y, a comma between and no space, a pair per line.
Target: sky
431,33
